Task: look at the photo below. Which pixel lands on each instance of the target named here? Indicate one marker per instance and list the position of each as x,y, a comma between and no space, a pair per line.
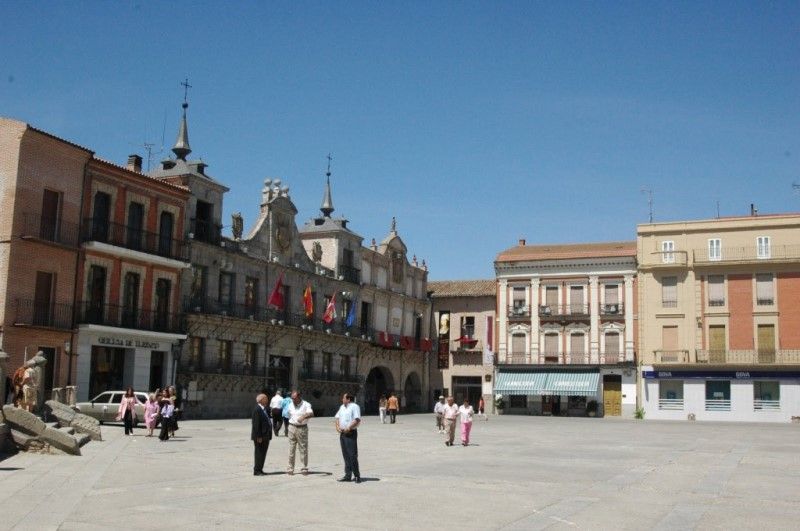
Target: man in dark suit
261,433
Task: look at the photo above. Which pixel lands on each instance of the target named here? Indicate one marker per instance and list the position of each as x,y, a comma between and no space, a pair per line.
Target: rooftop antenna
717,208
649,193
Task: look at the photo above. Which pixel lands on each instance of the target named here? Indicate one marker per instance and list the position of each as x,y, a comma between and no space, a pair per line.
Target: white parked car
104,406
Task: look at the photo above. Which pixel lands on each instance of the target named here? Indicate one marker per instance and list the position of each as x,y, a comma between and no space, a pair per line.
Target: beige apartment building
566,334
720,318
464,313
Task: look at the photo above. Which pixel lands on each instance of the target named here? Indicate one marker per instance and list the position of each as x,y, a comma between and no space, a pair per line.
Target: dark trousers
128,420
285,427
393,415
165,423
349,442
260,454
277,420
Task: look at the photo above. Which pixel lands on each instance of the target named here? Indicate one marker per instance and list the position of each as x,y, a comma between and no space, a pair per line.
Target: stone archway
379,382
412,391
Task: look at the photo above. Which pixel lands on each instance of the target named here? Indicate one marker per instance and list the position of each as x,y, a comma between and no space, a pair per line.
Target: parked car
104,406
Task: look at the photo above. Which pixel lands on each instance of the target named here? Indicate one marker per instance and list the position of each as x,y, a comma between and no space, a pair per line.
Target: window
165,225
366,312
576,300
43,299
251,293
96,293
344,367
551,346
669,345
611,294
667,252
518,301
51,214
715,249
762,247
130,300
226,289
766,396
308,360
327,362
670,395
765,295
163,292
250,353
716,290
669,292
718,395
100,216
766,343
135,224
550,300
576,346
196,349
468,326
203,222
199,286
518,344
224,356
612,345
518,401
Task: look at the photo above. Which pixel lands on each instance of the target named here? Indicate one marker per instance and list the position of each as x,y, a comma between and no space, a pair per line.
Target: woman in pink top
466,413
127,411
150,412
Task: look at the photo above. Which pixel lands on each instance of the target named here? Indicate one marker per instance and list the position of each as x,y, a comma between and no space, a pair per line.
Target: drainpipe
78,256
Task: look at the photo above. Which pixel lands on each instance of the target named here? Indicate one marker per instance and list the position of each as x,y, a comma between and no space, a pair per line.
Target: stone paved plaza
521,473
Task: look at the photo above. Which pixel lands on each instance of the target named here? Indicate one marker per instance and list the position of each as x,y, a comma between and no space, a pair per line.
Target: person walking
382,408
347,420
276,409
392,407
285,414
176,401
126,411
450,414
465,412
481,411
260,434
150,413
438,411
167,409
299,412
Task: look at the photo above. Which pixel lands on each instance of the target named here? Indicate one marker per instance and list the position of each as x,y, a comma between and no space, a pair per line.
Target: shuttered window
612,343
669,338
551,344
716,290
518,344
612,294
669,292
551,295
764,289
576,343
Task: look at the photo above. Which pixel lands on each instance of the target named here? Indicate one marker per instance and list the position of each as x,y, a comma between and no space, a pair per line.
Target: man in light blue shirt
347,421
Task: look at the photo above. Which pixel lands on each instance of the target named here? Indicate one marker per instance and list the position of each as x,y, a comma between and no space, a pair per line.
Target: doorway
469,387
379,382
107,370
551,405
612,395
156,370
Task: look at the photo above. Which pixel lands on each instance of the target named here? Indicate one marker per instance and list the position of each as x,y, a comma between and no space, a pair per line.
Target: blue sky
474,123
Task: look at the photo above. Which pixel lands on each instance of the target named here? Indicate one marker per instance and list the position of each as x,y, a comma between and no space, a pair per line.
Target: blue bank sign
721,375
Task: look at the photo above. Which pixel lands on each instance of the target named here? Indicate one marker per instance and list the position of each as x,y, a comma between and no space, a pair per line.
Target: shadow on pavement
10,468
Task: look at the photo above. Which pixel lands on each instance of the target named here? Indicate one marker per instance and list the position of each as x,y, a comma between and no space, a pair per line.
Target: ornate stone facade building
239,344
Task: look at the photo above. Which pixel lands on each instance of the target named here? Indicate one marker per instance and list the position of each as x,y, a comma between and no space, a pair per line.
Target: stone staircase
29,433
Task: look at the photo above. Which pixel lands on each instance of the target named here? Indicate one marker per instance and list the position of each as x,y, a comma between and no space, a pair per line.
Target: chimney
753,210
522,242
135,163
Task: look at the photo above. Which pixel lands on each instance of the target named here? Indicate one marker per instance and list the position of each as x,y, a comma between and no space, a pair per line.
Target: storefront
111,358
725,395
553,393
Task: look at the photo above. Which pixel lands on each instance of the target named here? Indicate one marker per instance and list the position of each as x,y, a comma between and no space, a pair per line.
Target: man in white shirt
438,410
450,413
347,421
276,410
299,413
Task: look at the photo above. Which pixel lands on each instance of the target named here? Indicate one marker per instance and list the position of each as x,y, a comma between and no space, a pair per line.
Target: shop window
518,401
718,395
576,402
670,395
767,396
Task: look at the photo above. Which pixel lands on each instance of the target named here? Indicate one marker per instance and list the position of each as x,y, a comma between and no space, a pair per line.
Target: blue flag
351,314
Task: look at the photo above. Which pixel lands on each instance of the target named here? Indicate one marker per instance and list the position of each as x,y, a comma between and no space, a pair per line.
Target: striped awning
571,383
520,383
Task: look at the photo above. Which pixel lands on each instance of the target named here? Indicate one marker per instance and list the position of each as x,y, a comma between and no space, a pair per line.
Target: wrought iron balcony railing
748,254
519,311
749,357
350,274
49,229
133,238
613,309
579,310
123,317
29,313
671,356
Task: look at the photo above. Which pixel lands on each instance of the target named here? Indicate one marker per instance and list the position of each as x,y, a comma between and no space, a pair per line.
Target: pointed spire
181,148
327,200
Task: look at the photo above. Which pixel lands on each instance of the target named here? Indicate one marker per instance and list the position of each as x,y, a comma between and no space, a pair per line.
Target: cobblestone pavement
520,473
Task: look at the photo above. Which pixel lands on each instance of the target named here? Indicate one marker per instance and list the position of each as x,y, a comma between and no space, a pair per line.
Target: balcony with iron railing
133,238
133,318
564,311
30,313
519,311
671,356
749,357
350,274
666,260
205,231
38,227
560,358
615,309
754,254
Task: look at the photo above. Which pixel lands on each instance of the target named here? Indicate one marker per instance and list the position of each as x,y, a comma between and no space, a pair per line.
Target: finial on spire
394,225
181,148
327,200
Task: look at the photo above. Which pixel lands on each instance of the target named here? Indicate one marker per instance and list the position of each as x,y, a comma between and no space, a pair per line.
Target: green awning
571,383
520,383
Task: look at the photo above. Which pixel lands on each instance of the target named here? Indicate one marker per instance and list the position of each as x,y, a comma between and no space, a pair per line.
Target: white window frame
714,249
763,247
668,251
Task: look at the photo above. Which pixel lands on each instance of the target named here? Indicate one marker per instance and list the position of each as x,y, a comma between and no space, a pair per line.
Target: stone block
59,411
61,440
82,438
7,446
21,420
23,440
67,429
84,424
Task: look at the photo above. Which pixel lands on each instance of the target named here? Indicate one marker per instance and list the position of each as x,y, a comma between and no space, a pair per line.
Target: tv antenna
649,193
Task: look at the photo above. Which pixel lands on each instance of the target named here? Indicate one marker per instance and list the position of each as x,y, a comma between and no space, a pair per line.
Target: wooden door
612,397
716,344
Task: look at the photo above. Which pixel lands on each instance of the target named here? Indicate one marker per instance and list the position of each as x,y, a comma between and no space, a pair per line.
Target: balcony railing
513,358
328,376
350,274
134,318
579,311
749,357
133,238
666,260
519,311
613,309
29,313
671,356
467,358
49,229
748,254
205,231
670,404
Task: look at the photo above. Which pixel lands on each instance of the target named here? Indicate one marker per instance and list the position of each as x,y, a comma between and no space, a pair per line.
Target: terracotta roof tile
462,288
567,251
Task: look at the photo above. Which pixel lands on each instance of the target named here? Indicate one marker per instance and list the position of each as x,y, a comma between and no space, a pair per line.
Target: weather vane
186,86
329,165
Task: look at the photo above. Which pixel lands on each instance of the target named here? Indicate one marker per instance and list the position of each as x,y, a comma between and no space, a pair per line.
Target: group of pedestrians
388,406
268,415
447,413
161,408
